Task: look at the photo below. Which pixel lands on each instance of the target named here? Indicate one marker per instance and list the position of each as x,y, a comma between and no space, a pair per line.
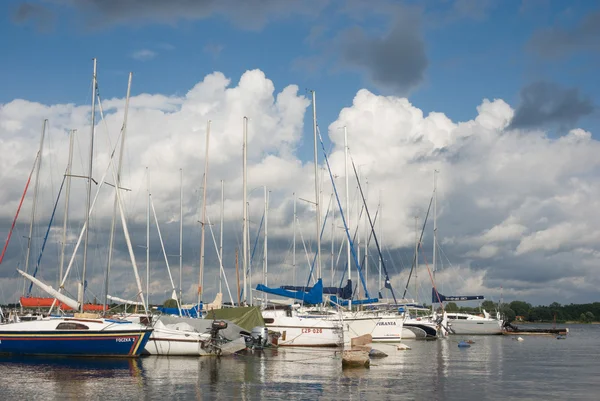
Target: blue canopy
452,298
342,292
313,297
192,312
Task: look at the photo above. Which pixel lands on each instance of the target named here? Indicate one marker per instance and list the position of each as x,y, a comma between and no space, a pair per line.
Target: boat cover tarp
335,300
312,297
452,298
245,317
191,312
341,292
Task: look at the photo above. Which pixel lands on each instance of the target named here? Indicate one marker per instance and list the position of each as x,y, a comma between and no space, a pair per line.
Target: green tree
589,316
520,308
507,313
170,303
488,306
451,307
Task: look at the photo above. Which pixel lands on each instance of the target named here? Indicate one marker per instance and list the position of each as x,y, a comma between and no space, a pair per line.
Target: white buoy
403,347
520,339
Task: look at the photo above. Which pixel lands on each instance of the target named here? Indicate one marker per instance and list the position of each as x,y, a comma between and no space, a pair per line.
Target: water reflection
492,368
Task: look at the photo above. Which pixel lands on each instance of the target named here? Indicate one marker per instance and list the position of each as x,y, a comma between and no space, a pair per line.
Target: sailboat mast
347,200
66,214
203,222
180,235
380,235
317,206
33,207
117,188
366,265
89,190
332,242
266,244
416,255
294,241
147,236
434,222
245,210
221,237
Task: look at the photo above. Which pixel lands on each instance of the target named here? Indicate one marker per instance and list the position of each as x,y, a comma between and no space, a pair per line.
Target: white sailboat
84,334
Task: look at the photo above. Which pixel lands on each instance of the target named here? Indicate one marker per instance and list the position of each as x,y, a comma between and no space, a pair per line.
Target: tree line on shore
524,311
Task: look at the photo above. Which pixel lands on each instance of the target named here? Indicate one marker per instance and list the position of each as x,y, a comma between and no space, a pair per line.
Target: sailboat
83,334
299,326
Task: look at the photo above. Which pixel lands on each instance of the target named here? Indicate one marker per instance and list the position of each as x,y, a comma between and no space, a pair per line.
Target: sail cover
313,297
452,298
341,292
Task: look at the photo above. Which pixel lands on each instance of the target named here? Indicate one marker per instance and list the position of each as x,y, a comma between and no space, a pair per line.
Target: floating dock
509,329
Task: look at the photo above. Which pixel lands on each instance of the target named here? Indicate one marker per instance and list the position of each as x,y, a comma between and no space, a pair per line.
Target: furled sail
124,301
437,297
313,297
61,297
341,292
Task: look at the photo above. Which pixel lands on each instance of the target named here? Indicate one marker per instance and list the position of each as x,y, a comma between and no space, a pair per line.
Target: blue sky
472,49
515,198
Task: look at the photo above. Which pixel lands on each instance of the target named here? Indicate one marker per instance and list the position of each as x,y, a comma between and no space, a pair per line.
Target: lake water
494,368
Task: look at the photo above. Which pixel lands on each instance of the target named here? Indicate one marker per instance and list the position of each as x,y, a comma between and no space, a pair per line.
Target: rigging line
262,219
304,245
388,284
320,237
220,260
47,233
352,250
420,240
431,278
18,210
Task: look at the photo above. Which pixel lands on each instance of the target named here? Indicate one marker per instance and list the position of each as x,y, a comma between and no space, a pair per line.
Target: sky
500,97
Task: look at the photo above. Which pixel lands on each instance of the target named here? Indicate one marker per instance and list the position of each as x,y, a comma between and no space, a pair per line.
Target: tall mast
294,240
318,209
366,237
66,215
221,237
203,222
33,207
416,256
347,200
380,235
434,221
332,242
89,189
245,210
180,235
147,236
358,210
117,188
266,243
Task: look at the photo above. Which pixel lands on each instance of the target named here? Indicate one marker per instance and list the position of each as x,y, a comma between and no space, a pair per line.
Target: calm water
493,368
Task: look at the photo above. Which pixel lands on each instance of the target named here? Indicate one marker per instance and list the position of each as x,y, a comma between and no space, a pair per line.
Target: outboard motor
260,336
217,326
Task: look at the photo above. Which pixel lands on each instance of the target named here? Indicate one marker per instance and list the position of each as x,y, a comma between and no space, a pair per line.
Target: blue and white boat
64,336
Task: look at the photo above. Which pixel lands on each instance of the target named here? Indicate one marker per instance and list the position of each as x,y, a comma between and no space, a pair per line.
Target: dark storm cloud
556,42
546,103
249,14
394,61
40,16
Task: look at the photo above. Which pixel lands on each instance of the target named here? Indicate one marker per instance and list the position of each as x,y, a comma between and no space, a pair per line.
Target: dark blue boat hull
122,343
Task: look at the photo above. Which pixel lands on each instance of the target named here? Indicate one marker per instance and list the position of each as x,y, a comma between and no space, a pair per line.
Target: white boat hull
304,331
185,341
465,324
385,328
